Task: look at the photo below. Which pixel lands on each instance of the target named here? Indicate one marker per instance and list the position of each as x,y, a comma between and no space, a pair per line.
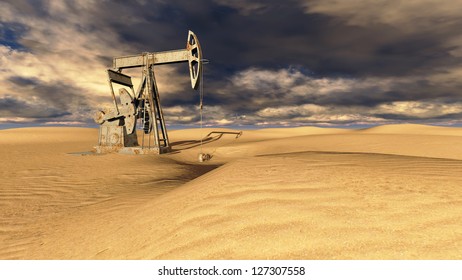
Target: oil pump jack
142,109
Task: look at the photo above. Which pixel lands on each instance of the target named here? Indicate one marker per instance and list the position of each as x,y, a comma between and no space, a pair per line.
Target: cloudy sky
272,63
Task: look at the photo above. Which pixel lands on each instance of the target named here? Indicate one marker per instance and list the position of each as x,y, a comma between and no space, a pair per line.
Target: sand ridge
413,129
392,192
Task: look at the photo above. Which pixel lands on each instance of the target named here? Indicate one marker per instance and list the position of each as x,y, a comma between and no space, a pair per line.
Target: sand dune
390,192
414,129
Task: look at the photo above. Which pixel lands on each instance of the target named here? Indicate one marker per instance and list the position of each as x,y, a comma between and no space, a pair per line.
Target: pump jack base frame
115,139
130,150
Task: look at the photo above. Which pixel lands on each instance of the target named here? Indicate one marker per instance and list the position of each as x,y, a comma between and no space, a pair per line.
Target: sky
272,63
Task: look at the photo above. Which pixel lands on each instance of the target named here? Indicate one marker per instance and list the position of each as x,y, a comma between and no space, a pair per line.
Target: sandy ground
388,192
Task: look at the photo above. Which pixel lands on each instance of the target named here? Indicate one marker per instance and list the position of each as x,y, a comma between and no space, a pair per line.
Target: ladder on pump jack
117,130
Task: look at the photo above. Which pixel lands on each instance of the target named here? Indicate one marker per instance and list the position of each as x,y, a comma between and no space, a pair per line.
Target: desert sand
387,192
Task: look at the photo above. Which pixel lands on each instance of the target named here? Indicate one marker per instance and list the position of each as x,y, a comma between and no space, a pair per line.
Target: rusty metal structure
141,108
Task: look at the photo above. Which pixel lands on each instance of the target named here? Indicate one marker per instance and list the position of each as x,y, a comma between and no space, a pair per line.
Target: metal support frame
145,102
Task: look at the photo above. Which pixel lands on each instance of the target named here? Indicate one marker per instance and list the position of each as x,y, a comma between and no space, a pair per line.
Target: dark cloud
36,99
28,8
264,54
283,34
13,107
58,95
23,81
